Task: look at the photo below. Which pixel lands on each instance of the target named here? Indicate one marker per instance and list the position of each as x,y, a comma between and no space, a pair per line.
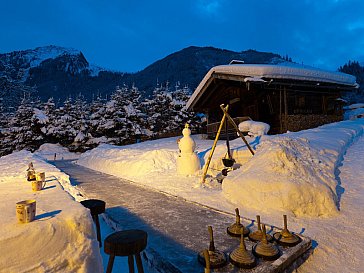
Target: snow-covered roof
354,106
286,71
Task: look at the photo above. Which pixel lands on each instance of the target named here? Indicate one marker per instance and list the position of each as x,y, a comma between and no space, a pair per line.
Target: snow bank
354,111
254,128
294,172
47,151
128,163
62,236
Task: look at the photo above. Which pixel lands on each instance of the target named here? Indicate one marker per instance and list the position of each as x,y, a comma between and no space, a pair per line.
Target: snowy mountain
58,72
17,65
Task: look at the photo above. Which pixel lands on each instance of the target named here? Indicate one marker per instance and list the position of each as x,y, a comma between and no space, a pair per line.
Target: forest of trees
355,69
123,118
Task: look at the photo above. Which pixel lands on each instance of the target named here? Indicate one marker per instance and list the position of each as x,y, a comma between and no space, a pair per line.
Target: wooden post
236,128
285,110
280,111
214,145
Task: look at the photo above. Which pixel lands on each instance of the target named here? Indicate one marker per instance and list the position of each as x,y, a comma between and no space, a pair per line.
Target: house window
301,102
300,105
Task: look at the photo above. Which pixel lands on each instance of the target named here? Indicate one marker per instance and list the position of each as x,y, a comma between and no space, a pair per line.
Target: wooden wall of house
282,108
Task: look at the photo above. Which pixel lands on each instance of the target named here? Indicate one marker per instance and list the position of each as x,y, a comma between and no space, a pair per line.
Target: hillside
189,65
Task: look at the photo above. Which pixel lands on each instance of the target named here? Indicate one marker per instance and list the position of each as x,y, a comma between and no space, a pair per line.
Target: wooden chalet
288,98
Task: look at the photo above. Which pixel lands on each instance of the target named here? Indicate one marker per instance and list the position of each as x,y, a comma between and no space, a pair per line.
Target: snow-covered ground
62,236
314,176
295,173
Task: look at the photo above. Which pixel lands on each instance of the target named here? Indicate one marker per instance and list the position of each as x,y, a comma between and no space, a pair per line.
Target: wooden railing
213,127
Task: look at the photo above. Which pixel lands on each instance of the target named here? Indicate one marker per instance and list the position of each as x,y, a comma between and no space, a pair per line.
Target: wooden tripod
229,118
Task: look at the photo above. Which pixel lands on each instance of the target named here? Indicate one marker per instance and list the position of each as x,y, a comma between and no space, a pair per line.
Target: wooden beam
285,109
206,167
280,111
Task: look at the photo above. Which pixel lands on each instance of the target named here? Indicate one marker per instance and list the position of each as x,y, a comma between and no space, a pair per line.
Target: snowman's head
186,132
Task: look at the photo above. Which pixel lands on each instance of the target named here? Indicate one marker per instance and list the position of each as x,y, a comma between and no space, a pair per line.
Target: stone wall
302,122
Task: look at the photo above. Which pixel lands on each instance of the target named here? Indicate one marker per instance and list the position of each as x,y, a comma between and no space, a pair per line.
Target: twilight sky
129,35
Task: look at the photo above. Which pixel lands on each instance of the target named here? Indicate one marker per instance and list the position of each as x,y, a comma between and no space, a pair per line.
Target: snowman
187,161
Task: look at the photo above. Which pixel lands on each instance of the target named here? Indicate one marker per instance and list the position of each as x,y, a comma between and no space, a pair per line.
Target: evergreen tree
181,115
98,117
159,111
80,123
64,132
135,116
24,128
50,131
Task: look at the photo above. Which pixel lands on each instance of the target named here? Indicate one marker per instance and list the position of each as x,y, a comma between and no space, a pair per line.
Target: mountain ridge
58,72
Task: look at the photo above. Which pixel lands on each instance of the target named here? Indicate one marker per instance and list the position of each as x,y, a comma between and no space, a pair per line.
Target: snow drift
294,172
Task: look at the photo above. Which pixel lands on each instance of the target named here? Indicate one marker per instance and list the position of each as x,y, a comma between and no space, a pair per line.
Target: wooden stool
96,207
126,243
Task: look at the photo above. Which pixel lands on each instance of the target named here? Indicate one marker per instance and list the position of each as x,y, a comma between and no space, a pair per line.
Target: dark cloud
128,35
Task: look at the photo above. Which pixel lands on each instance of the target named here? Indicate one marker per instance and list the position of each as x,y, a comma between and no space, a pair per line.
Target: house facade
287,97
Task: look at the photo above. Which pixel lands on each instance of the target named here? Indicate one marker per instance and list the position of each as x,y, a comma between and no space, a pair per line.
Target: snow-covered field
62,236
315,176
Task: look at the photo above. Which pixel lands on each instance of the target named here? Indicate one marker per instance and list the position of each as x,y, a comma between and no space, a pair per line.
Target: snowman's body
187,161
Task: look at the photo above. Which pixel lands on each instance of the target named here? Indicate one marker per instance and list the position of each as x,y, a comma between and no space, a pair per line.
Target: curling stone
217,258
266,250
241,257
285,237
237,228
257,235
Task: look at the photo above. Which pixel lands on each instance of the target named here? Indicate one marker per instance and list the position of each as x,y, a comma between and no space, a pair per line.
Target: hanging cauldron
217,258
285,237
237,228
266,250
228,161
257,235
241,257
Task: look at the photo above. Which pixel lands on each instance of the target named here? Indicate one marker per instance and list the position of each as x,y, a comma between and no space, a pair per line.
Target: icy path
177,229
341,239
